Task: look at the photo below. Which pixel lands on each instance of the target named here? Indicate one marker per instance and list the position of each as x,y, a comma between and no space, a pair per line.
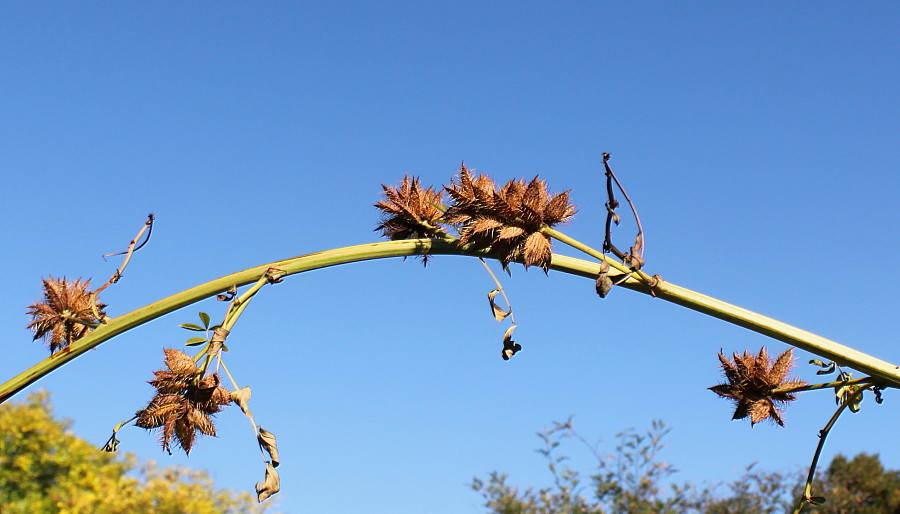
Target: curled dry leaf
267,442
510,347
112,444
604,284
270,485
499,314
242,398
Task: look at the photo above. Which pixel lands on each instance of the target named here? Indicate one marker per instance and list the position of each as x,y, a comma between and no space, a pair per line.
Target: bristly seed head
58,319
751,384
183,402
508,220
410,212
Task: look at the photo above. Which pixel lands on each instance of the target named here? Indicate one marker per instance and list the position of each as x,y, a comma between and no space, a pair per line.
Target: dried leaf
242,398
112,445
270,485
510,347
267,442
499,314
604,284
229,295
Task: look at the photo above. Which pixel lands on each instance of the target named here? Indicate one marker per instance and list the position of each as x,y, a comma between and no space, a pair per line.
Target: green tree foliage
45,468
859,486
633,480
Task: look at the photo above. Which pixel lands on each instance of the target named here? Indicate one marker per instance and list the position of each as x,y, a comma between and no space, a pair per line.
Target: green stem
807,490
235,309
884,372
827,385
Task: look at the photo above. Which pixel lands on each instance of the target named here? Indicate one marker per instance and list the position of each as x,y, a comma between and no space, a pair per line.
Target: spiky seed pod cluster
60,318
752,381
183,402
508,220
410,211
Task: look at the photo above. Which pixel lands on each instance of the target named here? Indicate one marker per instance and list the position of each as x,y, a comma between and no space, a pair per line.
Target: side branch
883,371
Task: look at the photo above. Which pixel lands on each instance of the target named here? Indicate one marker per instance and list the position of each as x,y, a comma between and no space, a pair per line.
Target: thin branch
640,241
148,228
806,499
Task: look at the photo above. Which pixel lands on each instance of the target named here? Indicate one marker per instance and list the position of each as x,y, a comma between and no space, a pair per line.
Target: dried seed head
183,402
508,220
410,212
66,312
751,381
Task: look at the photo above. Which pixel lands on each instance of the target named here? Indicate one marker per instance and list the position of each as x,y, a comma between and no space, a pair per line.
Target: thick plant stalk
887,374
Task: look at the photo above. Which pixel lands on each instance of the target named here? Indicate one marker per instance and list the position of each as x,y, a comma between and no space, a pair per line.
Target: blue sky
755,138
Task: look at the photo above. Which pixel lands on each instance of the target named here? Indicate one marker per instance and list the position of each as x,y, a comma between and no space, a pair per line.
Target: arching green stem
885,373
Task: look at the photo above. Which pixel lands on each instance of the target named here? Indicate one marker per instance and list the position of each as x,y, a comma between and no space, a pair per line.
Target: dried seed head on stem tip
509,220
756,385
410,211
68,312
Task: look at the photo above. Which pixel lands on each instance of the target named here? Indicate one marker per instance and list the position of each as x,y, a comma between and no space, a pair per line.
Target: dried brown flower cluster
183,402
751,382
410,211
509,220
60,318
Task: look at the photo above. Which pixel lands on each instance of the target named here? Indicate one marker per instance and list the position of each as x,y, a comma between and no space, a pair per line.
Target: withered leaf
112,445
510,347
242,398
604,284
267,442
229,295
270,485
499,314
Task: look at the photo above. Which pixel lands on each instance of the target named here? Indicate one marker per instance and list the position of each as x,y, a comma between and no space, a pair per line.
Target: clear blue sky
758,139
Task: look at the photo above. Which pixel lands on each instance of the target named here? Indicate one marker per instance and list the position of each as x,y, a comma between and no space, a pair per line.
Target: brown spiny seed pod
410,211
67,313
508,220
752,381
183,402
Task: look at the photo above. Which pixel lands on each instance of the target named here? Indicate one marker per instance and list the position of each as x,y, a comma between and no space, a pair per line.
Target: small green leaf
192,326
817,362
817,500
194,341
204,317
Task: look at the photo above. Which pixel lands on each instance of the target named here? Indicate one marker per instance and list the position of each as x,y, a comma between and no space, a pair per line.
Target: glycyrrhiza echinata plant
471,216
